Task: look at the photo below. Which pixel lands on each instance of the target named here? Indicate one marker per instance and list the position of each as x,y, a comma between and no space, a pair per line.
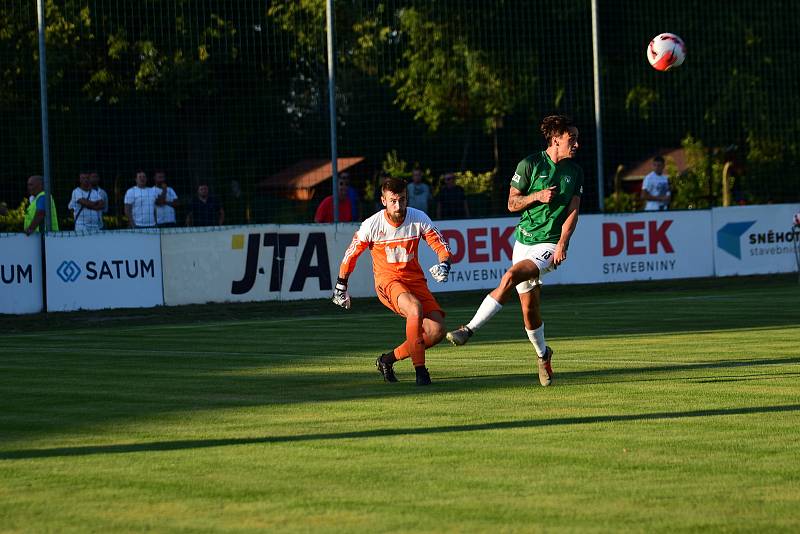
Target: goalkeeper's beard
398,217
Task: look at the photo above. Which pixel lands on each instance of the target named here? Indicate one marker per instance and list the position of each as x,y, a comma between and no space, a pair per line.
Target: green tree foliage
441,78
228,89
12,220
701,185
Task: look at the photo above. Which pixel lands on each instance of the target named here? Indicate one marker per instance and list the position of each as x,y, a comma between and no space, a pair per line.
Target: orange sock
415,340
403,351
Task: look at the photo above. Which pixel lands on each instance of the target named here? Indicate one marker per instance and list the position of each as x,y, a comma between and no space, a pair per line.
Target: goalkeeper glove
340,295
441,271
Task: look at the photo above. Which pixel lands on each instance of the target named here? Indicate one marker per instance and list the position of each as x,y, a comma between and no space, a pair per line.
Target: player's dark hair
394,185
658,159
555,126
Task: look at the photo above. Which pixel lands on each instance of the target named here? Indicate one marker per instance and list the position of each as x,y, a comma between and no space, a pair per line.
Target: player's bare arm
560,254
517,201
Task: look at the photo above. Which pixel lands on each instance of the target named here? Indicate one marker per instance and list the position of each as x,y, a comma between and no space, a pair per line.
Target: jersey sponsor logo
398,255
516,178
568,179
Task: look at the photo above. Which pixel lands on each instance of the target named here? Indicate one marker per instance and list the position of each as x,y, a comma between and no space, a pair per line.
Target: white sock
537,338
488,308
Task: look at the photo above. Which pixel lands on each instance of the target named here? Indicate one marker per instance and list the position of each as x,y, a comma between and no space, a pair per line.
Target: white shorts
541,254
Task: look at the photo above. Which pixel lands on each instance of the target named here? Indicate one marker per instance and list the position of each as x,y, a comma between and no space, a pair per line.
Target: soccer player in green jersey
547,190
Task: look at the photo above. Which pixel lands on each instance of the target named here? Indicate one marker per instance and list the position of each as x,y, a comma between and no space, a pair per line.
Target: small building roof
299,180
642,168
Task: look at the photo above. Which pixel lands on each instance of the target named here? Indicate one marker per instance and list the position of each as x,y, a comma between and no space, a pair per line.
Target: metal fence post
332,108
597,123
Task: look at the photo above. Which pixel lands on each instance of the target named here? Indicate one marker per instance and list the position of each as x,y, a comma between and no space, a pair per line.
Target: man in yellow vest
34,214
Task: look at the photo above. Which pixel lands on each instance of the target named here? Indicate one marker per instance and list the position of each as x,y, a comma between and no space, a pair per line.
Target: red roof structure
644,167
300,181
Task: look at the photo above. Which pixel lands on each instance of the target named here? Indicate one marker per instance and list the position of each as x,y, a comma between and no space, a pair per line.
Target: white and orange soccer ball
666,51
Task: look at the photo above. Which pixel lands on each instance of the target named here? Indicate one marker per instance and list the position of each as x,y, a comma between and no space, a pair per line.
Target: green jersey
541,223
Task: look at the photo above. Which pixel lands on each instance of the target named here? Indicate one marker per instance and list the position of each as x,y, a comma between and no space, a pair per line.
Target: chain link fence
233,93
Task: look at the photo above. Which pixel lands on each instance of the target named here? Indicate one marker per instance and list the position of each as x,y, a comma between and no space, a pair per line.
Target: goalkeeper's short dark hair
394,185
554,126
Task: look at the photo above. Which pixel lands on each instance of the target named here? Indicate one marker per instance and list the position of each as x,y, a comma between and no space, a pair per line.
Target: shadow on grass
53,381
621,372
721,364
680,304
158,446
86,395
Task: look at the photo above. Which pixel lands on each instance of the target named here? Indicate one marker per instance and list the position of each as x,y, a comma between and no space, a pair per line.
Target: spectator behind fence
419,193
94,179
655,187
205,209
166,202
353,197
236,204
451,202
324,212
140,203
86,205
35,213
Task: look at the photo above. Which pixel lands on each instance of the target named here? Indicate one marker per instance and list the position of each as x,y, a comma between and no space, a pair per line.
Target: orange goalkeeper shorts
389,293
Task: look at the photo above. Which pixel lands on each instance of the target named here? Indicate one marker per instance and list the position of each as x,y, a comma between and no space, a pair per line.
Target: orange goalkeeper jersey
394,248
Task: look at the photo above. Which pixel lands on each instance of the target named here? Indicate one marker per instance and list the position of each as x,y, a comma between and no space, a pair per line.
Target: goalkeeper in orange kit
393,236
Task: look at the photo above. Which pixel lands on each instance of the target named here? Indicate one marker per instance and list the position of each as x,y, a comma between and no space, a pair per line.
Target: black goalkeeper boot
423,376
386,369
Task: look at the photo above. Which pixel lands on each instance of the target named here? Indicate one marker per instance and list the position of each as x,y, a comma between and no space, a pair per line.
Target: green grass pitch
675,407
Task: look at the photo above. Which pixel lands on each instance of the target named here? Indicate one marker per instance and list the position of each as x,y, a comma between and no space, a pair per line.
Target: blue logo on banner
729,237
68,271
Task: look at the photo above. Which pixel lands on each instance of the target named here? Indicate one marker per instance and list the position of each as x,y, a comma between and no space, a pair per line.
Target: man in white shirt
94,179
655,187
419,193
166,201
140,203
86,205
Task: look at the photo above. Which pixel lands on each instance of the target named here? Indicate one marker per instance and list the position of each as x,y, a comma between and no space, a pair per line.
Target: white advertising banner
20,273
291,262
256,263
638,246
755,239
604,248
481,252
105,270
